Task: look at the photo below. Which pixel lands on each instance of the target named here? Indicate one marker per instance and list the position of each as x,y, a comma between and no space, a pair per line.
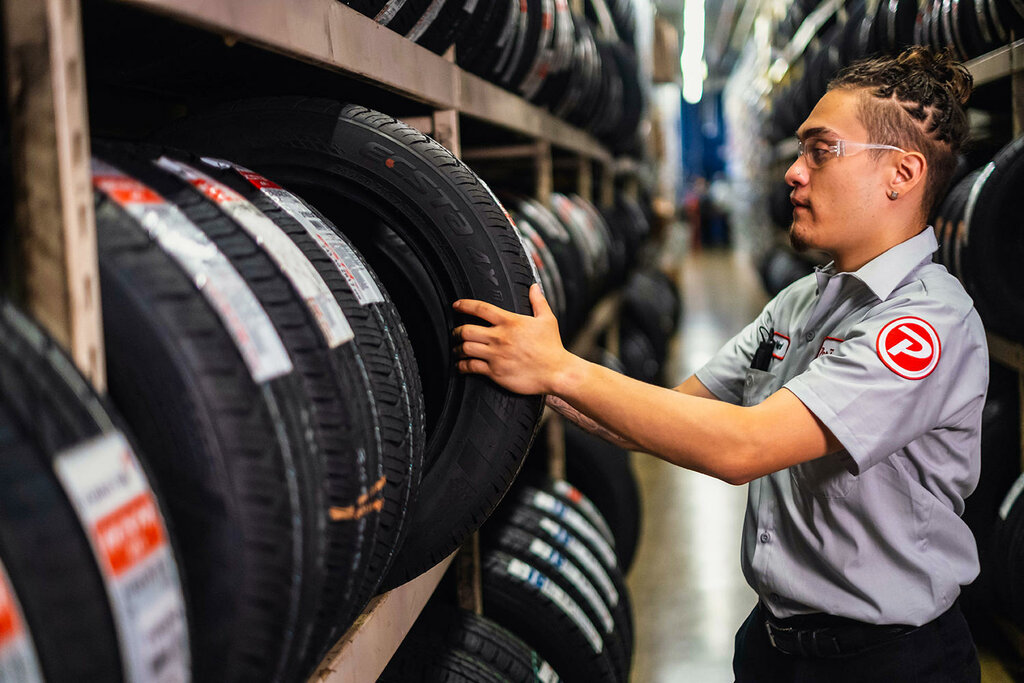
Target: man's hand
524,354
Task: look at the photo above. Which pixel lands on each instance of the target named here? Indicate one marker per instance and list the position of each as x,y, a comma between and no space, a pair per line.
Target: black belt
824,635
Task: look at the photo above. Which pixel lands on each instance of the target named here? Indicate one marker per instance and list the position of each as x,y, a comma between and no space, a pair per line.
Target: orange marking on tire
390,163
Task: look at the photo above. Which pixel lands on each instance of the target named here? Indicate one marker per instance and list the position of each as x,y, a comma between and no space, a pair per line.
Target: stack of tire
651,311
985,512
552,576
89,575
580,252
583,72
860,29
277,315
974,225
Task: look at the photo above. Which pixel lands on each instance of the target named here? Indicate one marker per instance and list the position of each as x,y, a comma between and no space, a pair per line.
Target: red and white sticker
211,272
18,660
829,346
118,511
780,345
278,246
910,347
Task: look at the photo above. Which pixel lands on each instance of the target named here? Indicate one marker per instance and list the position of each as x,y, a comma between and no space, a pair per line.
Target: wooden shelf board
1005,351
364,651
331,35
997,64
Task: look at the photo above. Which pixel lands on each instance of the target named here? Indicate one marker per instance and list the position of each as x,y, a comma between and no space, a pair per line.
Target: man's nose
796,174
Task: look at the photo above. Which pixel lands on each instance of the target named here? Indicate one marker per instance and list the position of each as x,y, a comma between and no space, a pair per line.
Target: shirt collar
884,272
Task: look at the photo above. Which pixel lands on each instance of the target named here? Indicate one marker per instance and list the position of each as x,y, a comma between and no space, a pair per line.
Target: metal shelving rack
56,270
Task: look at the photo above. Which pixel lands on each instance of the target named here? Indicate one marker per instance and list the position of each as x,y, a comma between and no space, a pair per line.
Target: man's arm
692,386
735,444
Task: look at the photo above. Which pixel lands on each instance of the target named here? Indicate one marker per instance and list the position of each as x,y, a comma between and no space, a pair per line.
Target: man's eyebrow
820,131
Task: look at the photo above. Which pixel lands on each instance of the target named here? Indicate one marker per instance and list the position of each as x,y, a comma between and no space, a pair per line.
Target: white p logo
910,347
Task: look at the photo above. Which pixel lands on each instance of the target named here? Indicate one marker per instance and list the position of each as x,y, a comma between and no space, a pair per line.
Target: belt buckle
771,629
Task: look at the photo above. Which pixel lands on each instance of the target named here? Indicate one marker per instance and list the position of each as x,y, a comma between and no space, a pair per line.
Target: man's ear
908,172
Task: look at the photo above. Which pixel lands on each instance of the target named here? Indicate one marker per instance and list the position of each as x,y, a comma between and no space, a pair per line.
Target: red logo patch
910,347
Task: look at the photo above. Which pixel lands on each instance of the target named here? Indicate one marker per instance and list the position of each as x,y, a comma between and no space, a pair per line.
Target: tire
566,575
988,251
227,436
568,258
416,213
442,627
419,665
384,350
480,31
547,267
496,37
1007,551
439,33
532,606
70,481
603,474
609,582
651,303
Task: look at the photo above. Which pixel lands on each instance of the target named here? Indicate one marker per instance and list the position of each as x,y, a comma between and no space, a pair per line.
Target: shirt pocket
757,386
824,477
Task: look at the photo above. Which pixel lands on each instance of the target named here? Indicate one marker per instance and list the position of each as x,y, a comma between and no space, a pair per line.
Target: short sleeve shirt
893,360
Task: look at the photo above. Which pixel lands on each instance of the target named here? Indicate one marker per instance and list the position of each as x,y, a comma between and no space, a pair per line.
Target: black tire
651,302
50,552
481,31
540,61
228,450
439,33
441,627
602,472
1007,552
532,606
611,583
384,184
384,350
988,251
570,261
343,463
544,260
567,576
421,665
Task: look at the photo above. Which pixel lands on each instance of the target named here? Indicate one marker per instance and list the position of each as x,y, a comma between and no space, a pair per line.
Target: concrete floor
689,596
688,593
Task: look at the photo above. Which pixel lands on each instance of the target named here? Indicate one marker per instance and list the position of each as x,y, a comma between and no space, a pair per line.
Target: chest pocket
757,386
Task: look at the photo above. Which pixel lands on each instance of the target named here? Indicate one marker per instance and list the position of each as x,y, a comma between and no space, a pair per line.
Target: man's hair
915,100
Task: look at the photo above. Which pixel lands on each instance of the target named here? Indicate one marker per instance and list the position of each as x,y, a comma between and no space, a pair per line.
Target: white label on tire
574,576
424,22
279,247
388,12
564,488
344,257
1011,497
545,674
528,574
18,660
583,556
575,521
128,536
214,276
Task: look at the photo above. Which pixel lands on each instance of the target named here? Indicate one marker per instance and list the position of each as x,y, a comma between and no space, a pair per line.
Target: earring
893,194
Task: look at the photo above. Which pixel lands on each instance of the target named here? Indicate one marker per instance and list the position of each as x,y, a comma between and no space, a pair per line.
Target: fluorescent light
691,61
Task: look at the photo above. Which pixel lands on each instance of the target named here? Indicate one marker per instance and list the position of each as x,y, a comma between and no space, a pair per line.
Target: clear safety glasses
818,150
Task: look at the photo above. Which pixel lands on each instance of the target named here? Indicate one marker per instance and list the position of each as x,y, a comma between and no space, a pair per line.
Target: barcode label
118,511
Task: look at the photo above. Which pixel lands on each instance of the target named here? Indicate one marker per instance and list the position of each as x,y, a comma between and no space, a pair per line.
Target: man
858,425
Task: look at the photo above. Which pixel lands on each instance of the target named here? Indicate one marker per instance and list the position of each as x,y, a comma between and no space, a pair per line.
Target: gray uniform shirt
893,360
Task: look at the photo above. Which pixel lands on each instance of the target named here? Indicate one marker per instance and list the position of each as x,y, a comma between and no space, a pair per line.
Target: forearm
587,424
729,442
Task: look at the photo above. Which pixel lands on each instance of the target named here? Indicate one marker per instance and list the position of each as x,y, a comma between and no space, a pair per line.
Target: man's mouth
798,204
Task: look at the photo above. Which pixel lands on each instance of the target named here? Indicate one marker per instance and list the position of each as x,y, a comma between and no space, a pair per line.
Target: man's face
836,205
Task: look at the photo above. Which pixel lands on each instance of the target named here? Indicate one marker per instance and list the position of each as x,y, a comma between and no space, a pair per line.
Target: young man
858,425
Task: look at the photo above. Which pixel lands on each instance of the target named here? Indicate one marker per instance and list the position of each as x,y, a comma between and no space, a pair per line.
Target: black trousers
939,651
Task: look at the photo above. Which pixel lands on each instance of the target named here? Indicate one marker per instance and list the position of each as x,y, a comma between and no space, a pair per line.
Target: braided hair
916,101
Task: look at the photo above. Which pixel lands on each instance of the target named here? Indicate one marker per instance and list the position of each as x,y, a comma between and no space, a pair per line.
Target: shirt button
774,596
765,537
809,336
749,380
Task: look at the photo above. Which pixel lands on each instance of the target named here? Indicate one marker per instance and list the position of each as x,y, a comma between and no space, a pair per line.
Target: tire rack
54,259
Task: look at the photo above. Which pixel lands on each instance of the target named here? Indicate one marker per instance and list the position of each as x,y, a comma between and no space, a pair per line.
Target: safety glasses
818,150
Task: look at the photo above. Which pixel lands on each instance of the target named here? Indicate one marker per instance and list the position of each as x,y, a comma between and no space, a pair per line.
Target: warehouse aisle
689,596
